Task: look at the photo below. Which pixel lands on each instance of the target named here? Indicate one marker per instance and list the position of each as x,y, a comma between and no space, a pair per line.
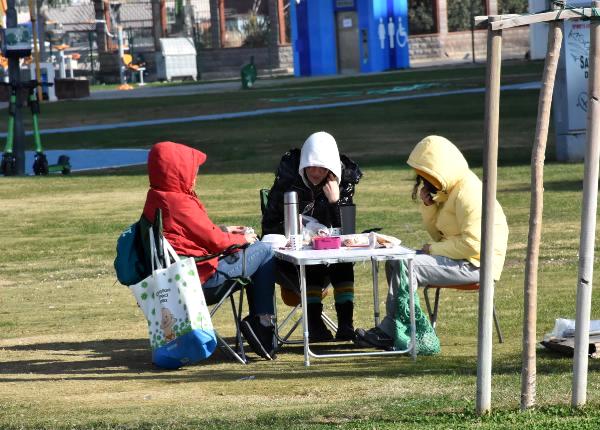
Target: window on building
202,24
512,6
462,12
421,17
246,23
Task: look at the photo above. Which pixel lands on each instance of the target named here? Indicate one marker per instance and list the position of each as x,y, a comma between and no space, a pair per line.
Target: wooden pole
222,28
588,221
528,373
156,24
490,168
281,19
36,52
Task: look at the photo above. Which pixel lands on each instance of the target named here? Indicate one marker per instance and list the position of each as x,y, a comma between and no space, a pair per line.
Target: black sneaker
345,332
259,337
374,337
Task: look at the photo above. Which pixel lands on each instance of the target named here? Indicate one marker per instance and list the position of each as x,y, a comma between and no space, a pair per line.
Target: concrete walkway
270,111
263,82
91,159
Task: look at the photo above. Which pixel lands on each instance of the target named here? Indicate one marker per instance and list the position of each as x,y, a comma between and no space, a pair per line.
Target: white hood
320,150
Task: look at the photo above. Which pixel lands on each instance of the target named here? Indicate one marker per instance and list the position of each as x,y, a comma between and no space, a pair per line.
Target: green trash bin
249,74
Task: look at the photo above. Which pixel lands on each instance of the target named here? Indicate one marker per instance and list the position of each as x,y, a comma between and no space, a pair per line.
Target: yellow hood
440,160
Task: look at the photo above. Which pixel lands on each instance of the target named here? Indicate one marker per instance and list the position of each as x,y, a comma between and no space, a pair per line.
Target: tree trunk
215,28
100,26
156,24
528,374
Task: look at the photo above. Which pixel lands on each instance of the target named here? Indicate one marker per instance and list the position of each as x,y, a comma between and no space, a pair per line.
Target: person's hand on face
331,189
426,197
317,175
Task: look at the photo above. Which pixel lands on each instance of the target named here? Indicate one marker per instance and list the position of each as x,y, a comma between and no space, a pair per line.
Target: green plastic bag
249,74
427,341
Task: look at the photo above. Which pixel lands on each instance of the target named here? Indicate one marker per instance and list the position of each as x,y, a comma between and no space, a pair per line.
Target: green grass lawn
74,352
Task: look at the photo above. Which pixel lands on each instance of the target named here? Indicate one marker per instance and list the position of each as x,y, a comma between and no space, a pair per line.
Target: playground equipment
134,68
47,76
8,165
61,60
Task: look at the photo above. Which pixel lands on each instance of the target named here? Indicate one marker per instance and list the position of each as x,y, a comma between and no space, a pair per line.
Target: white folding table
309,257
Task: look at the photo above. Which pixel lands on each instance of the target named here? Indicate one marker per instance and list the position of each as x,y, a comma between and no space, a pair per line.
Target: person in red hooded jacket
172,169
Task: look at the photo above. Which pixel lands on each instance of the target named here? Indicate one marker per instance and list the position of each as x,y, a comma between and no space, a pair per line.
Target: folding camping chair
215,297
433,313
291,297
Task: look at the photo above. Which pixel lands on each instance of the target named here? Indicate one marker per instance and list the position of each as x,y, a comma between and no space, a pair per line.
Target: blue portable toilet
349,36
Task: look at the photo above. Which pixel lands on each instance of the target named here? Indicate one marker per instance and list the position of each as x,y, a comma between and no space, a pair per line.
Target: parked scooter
8,165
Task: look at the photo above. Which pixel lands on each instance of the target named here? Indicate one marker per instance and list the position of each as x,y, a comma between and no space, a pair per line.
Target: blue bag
129,262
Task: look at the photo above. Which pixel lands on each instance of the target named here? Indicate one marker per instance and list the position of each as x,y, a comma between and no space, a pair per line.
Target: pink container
327,242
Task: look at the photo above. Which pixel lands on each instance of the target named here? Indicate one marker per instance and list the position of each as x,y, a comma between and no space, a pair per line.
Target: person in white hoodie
324,181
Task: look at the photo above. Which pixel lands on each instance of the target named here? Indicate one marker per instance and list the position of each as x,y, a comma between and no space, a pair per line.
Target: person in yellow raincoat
449,197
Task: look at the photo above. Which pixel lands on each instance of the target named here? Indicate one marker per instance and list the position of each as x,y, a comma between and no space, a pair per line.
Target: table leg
304,313
413,329
375,271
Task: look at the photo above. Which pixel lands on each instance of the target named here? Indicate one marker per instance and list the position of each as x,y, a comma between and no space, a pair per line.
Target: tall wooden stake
490,168
528,373
36,53
588,221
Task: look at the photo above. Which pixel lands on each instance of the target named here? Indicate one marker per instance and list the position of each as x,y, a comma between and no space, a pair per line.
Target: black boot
317,331
260,336
345,329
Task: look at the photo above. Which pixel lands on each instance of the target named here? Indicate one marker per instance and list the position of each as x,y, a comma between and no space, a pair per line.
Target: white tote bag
172,300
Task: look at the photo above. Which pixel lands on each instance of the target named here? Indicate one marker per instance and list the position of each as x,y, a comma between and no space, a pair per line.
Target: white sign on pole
569,104
577,48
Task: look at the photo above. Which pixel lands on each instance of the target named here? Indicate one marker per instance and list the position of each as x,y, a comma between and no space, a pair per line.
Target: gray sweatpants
427,270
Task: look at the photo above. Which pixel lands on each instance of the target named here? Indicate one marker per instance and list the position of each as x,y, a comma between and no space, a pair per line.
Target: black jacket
288,179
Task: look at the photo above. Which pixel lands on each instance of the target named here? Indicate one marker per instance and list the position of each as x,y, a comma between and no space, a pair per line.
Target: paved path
287,109
91,159
263,82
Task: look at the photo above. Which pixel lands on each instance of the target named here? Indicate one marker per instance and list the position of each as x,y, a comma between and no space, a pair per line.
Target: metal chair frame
237,352
433,314
279,326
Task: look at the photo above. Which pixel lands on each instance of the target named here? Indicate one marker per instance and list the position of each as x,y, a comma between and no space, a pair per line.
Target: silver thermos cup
290,214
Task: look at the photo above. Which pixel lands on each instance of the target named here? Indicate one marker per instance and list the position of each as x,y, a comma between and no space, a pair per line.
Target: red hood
173,167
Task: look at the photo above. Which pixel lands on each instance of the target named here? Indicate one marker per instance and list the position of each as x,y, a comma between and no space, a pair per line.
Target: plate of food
369,240
355,240
385,241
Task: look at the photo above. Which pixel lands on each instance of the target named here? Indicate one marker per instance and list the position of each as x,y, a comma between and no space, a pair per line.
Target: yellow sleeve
467,244
429,215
